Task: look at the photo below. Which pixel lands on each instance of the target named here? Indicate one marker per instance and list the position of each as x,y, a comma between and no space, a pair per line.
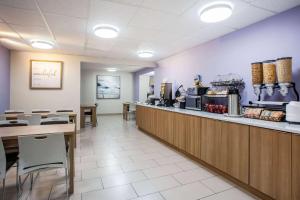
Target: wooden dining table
12,133
72,117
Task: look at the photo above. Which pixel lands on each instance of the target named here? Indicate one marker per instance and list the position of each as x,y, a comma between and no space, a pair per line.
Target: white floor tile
161,171
87,185
155,196
102,171
115,193
217,184
138,165
192,175
191,191
154,185
187,165
231,194
123,179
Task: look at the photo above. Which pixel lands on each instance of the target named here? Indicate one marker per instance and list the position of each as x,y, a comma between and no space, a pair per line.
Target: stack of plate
292,112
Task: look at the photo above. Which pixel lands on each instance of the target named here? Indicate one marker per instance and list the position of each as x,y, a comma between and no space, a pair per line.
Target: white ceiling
165,26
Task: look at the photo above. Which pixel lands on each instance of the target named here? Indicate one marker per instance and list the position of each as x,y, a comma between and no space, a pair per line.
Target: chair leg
67,182
3,189
31,181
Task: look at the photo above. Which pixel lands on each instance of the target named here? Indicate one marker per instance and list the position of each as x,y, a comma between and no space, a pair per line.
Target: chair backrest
2,161
34,119
2,117
64,110
43,151
52,115
40,111
14,112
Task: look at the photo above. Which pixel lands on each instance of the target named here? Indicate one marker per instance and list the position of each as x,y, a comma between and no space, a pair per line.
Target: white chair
42,152
4,166
52,115
14,112
33,119
2,117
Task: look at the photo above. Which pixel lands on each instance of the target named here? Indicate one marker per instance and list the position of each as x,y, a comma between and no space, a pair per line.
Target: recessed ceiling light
145,54
216,11
106,31
111,69
42,44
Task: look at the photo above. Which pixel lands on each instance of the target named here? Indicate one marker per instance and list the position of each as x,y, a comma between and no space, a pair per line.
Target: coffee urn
234,102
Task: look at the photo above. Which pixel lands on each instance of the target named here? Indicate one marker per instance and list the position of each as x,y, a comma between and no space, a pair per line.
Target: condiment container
284,70
269,72
257,73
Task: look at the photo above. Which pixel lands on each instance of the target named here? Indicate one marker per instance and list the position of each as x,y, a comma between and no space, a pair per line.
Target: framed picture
108,87
46,74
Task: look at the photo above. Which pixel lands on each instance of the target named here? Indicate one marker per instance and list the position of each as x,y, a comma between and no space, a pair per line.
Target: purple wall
136,81
4,79
277,36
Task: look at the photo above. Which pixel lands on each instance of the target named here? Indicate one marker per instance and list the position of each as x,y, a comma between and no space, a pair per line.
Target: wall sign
46,74
108,87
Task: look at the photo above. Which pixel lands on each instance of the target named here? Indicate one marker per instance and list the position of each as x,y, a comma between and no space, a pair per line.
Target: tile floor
116,161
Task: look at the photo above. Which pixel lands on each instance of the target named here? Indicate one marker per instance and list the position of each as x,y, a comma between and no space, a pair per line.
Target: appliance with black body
165,95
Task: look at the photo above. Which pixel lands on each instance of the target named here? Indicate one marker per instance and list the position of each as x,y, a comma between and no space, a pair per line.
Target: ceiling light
215,12
145,54
41,44
111,69
106,31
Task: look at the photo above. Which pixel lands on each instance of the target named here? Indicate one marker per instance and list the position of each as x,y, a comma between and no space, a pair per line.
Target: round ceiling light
111,69
145,54
106,31
42,44
216,12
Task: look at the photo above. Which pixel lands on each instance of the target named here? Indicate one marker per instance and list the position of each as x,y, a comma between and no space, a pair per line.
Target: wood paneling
211,141
165,125
146,119
180,124
235,150
296,167
193,136
270,162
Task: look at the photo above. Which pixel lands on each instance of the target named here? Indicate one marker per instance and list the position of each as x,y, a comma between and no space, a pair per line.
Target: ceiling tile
246,16
104,12
72,8
32,32
20,16
276,5
128,2
15,43
97,43
169,6
151,19
25,4
6,31
67,30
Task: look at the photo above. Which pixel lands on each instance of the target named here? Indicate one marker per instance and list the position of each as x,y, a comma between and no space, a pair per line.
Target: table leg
71,163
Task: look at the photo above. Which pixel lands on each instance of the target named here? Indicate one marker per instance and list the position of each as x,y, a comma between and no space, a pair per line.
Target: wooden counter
266,162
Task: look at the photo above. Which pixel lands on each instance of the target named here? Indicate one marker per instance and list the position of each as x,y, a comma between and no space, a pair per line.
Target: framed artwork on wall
108,87
46,74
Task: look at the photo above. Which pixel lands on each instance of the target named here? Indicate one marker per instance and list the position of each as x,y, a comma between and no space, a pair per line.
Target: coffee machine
165,94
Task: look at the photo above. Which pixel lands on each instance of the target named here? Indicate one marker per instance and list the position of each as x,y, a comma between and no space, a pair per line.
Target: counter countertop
280,126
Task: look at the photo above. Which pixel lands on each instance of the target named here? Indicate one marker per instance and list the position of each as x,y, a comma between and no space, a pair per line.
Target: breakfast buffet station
257,146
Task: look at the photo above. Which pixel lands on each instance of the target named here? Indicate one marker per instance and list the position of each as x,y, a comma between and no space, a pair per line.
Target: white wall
22,97
106,106
143,87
